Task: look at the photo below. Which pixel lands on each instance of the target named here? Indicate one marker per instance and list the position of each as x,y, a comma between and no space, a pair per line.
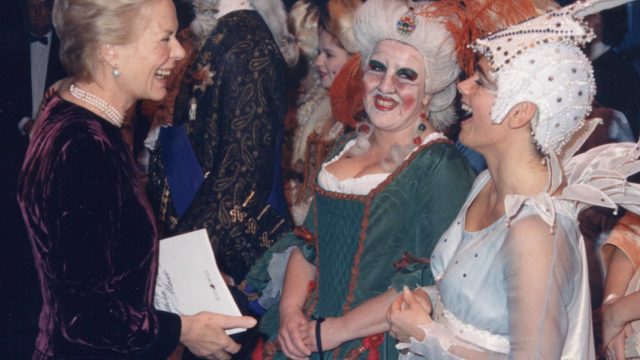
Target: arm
616,311
410,322
95,289
364,320
615,317
94,284
293,323
540,274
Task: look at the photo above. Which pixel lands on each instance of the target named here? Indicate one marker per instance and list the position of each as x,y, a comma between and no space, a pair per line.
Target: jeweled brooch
406,24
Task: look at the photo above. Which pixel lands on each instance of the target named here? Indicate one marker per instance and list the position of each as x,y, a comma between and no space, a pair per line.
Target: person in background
318,129
621,262
91,227
29,58
617,81
218,166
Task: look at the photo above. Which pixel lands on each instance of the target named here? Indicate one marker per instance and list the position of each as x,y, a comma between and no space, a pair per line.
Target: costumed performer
511,270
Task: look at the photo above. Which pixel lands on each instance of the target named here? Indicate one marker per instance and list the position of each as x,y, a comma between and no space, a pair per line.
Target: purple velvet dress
94,241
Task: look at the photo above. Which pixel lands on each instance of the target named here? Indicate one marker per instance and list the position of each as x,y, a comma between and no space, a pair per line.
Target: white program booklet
189,280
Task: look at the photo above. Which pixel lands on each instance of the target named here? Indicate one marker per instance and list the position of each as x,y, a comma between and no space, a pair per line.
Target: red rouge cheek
408,103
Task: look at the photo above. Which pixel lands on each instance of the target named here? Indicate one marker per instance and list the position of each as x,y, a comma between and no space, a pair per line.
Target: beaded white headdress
540,61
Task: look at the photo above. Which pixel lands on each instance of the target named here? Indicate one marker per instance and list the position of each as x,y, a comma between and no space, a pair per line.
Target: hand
228,279
407,312
204,334
328,335
615,348
293,332
611,328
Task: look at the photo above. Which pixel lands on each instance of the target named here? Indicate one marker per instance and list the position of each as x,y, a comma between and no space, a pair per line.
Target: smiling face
331,57
478,96
146,62
394,86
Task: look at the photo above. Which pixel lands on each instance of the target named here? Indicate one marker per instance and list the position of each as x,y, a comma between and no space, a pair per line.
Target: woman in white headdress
511,270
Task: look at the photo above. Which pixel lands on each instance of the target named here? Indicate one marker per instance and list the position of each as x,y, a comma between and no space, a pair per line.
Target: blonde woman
91,227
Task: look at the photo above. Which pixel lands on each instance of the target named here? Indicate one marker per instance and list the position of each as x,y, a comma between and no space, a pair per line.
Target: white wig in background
304,23
274,14
341,16
205,20
271,11
379,20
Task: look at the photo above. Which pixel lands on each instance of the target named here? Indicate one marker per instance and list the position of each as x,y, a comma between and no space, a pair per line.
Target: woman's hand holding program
204,334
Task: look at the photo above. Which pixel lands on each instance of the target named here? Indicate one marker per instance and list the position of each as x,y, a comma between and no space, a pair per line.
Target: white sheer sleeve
542,270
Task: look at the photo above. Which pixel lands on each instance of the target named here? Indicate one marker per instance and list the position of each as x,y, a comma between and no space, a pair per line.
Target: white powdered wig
377,20
274,14
205,20
304,23
342,13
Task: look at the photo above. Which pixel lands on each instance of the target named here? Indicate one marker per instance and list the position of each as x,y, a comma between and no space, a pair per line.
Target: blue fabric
184,174
474,158
276,196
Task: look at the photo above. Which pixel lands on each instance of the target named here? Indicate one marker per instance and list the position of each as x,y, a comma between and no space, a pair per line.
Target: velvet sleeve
251,104
444,181
94,263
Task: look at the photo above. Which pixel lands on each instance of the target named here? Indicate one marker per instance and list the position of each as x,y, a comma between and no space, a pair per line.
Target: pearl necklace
113,116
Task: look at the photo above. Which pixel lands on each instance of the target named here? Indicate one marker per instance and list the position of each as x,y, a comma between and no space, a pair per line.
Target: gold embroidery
252,226
265,242
173,221
246,201
237,214
164,202
203,76
276,227
206,57
263,212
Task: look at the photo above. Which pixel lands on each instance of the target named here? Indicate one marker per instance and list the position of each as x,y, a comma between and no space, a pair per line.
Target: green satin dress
362,245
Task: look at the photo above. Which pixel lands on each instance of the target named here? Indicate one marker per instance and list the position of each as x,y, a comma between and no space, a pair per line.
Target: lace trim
467,332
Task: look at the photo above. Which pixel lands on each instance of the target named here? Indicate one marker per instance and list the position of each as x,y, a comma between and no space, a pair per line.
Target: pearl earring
116,73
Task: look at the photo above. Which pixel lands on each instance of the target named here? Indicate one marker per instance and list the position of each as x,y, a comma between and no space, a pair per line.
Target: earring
417,140
116,73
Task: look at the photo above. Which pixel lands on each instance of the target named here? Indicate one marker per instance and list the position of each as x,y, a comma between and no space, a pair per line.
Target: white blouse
361,185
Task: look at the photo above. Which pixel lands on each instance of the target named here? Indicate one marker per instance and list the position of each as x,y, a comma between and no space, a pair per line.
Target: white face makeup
394,86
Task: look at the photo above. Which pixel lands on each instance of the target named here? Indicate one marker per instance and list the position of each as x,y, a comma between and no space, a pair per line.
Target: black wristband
318,337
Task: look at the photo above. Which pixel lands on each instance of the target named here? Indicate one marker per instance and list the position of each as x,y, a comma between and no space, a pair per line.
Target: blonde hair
84,25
